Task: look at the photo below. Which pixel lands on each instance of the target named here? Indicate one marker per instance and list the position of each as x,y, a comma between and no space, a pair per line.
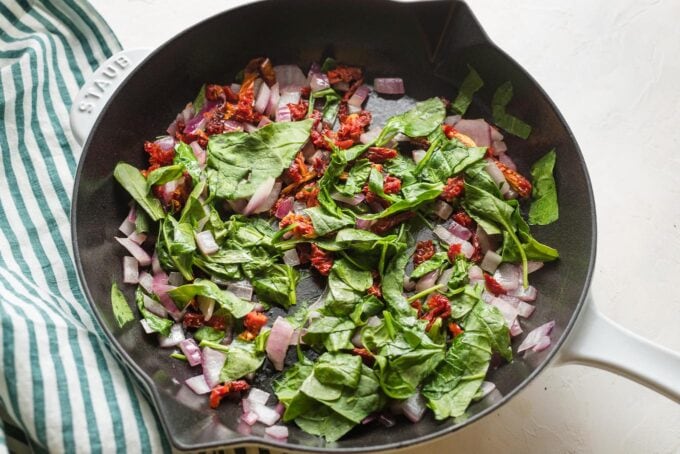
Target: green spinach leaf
510,123
158,324
471,84
135,184
419,121
242,359
121,309
544,208
203,287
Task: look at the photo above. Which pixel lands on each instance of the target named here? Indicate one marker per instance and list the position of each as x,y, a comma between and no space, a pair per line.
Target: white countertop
613,69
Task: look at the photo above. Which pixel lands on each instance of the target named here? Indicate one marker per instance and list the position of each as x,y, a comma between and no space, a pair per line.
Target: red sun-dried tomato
464,219
219,391
304,252
303,227
321,260
418,306
298,111
454,188
309,195
254,321
438,306
376,288
455,329
493,286
386,224
449,131
244,110
517,182
453,251
380,154
353,126
344,74
391,185
477,255
157,156
298,169
366,356
424,252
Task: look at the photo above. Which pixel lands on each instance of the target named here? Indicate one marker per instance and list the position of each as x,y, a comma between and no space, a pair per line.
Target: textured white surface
613,69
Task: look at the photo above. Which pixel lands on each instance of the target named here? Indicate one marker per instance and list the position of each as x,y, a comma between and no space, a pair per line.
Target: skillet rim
147,382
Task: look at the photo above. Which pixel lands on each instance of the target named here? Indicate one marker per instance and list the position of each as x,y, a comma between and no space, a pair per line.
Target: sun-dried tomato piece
304,252
343,111
453,252
453,189
244,108
174,201
380,154
352,89
219,391
452,133
464,219
438,306
193,320
477,255
493,286
305,92
298,111
344,74
353,126
455,329
424,252
254,321
261,66
418,306
376,288
391,185
303,227
321,260
366,356
309,195
320,164
517,182
298,169
386,224
372,198
157,156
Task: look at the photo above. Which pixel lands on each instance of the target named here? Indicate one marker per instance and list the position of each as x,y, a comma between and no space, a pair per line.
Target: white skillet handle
93,96
598,342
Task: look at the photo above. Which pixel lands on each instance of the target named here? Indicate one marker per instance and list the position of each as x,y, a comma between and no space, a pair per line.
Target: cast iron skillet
429,44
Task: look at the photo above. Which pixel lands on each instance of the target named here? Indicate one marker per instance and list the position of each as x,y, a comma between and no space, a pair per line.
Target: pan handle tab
599,342
98,89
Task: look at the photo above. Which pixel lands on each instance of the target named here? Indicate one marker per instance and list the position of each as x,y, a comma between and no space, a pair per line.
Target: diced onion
191,351
278,342
130,270
497,176
127,227
242,289
197,384
533,266
267,416
445,277
262,99
283,114
507,309
353,201
427,281
418,155
490,261
478,130
206,306
318,82
536,338
525,294
154,306
507,275
249,418
270,200
135,249
389,85
525,309
289,76
465,247
145,325
515,328
258,396
460,231
206,242
359,96
291,257
414,407
284,207
442,209
475,274
146,281
363,224
213,361
259,196
137,237
486,387
173,339
274,97
370,135
451,120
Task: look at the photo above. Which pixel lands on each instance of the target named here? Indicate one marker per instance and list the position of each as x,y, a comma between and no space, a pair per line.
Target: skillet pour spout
429,45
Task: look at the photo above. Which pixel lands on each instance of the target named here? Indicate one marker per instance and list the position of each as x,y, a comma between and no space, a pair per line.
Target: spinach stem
178,356
425,292
428,155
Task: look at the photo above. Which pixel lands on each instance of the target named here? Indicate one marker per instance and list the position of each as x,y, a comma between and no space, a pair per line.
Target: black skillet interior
429,45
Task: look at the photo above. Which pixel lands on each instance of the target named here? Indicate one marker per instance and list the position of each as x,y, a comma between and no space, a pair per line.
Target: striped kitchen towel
59,383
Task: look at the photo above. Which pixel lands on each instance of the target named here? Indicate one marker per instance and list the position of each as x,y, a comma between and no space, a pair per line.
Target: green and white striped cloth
59,383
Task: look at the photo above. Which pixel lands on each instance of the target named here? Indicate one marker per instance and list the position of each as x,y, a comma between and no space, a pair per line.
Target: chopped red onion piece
127,227
284,207
389,85
206,242
206,306
291,257
290,76
461,232
507,309
427,281
478,130
146,281
353,201
507,275
359,96
525,309
356,339
533,266
289,97
274,98
265,415
235,87
145,325
249,418
173,339
409,285
154,306
213,361
283,114
475,274
280,408
165,142
451,120
137,237
370,135
445,277
264,121
515,328
418,155
495,135
137,252
497,176
262,99
318,82
490,261
130,270
199,152
156,265
535,336
191,351
443,210
542,344
510,299
260,196
242,289
510,194
449,238
499,149
486,387
387,420
363,224
487,296
278,342
486,242
414,407
258,396
278,432
270,200
175,278
197,384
